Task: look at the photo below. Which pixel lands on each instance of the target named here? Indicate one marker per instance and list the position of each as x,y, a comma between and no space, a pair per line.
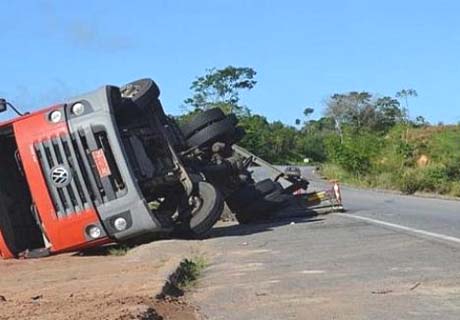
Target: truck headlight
120,224
55,116
78,108
94,232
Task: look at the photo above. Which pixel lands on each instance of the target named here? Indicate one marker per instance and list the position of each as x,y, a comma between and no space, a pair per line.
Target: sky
303,51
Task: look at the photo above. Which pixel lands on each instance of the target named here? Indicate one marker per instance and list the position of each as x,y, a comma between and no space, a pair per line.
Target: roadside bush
453,168
444,145
411,181
355,153
434,179
430,179
385,180
334,172
455,189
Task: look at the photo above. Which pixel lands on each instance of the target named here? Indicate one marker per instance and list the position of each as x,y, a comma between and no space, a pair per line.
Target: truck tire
262,209
142,92
278,198
177,138
233,118
220,130
239,135
207,210
242,198
266,186
201,120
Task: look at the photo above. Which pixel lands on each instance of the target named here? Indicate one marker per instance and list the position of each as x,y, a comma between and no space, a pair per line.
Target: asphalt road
388,257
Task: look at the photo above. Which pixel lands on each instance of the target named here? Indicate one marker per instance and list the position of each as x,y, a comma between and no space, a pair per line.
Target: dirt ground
95,286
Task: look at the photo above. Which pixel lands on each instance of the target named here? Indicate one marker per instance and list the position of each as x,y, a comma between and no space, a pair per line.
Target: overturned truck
111,166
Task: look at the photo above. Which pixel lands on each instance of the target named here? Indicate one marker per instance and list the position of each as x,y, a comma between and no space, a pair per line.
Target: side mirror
2,105
5,104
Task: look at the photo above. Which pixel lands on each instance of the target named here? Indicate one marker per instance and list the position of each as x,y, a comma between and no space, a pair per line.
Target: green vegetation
221,88
189,272
406,158
185,276
362,139
118,250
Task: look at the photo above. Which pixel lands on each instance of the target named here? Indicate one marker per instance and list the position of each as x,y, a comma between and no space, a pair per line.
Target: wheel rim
130,91
196,203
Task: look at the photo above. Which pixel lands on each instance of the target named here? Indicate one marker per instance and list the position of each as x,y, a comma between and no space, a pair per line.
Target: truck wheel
207,207
242,198
233,118
201,120
142,92
277,198
223,129
177,138
266,186
262,209
144,95
239,134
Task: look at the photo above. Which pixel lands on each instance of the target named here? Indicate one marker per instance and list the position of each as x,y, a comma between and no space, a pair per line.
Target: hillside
423,159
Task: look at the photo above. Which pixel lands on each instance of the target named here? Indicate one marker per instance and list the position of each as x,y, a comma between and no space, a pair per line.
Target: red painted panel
4,250
64,233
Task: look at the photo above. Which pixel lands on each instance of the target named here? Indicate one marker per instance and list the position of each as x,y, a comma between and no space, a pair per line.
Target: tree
354,109
307,112
420,122
221,88
322,125
389,103
361,108
389,112
405,94
337,110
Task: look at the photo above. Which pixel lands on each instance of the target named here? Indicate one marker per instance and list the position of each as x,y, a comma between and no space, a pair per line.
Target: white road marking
312,271
408,229
272,281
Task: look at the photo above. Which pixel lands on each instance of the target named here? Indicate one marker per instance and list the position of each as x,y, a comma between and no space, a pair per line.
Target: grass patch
184,278
118,250
189,272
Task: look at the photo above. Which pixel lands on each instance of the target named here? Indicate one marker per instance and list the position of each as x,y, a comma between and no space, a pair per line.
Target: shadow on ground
235,230
283,217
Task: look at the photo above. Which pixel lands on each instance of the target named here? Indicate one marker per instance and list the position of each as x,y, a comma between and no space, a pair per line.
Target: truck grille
72,175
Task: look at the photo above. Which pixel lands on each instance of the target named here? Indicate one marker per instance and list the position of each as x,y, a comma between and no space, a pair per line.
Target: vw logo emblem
60,176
